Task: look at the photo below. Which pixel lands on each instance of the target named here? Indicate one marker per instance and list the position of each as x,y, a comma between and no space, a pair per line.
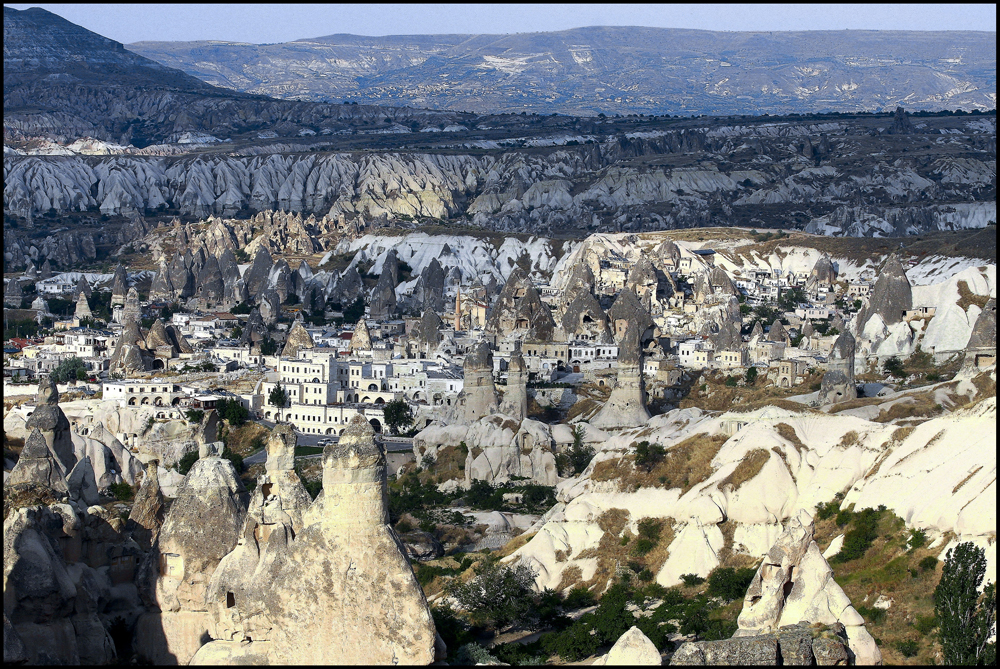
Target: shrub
918,538
928,563
642,546
925,624
186,462
498,595
572,644
646,575
858,539
730,584
872,615
233,411
908,648
730,381
122,491
647,455
827,510
194,415
692,580
579,598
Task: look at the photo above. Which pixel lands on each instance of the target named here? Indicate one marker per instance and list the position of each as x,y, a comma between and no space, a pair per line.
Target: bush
122,491
872,615
825,511
642,546
194,415
730,584
186,462
498,595
928,563
572,644
925,624
858,539
918,538
692,580
965,619
647,455
579,598
71,369
908,648
233,411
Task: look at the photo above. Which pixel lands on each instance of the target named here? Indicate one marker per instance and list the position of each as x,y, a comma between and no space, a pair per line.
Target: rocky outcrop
478,397
628,312
838,383
890,296
519,311
361,339
298,340
146,517
626,406
632,649
900,123
823,274
255,330
119,285
382,303
429,292
53,426
37,465
795,645
981,350
778,333
82,307
515,396
426,334
203,525
130,355
584,318
794,585
328,587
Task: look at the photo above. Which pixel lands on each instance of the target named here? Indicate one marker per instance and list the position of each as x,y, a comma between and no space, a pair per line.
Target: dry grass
245,439
717,396
610,553
966,298
570,576
787,432
923,405
852,438
986,386
683,466
450,464
965,480
748,468
729,558
514,544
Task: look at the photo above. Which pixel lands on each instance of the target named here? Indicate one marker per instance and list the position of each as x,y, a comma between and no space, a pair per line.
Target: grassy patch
966,298
749,467
683,466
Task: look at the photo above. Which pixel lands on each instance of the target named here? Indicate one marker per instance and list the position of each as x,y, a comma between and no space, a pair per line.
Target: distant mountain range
612,70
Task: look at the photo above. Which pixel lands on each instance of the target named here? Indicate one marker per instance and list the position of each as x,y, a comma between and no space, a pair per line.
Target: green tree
233,411
278,398
353,313
647,455
965,619
268,346
894,367
751,376
397,414
69,369
498,595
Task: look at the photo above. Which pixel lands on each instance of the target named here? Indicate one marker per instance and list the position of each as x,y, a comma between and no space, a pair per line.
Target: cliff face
754,176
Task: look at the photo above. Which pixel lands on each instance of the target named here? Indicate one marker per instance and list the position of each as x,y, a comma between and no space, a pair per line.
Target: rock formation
890,296
255,331
584,318
900,123
270,306
340,591
256,275
778,333
515,397
822,274
119,285
430,287
130,355
981,351
132,311
146,516
795,585
53,426
82,307
36,465
361,340
382,304
298,340
83,286
838,384
427,333
479,395
632,649
203,525
795,645
757,331
628,312
519,311
626,407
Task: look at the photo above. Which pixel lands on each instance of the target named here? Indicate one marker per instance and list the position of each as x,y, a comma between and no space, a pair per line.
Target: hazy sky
281,23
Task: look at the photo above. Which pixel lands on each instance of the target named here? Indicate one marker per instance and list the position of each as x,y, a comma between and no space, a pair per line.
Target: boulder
421,546
633,648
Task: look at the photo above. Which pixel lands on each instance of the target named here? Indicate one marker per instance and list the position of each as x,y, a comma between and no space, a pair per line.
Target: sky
262,23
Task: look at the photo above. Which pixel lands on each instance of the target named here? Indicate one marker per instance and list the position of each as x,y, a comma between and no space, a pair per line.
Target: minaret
458,309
